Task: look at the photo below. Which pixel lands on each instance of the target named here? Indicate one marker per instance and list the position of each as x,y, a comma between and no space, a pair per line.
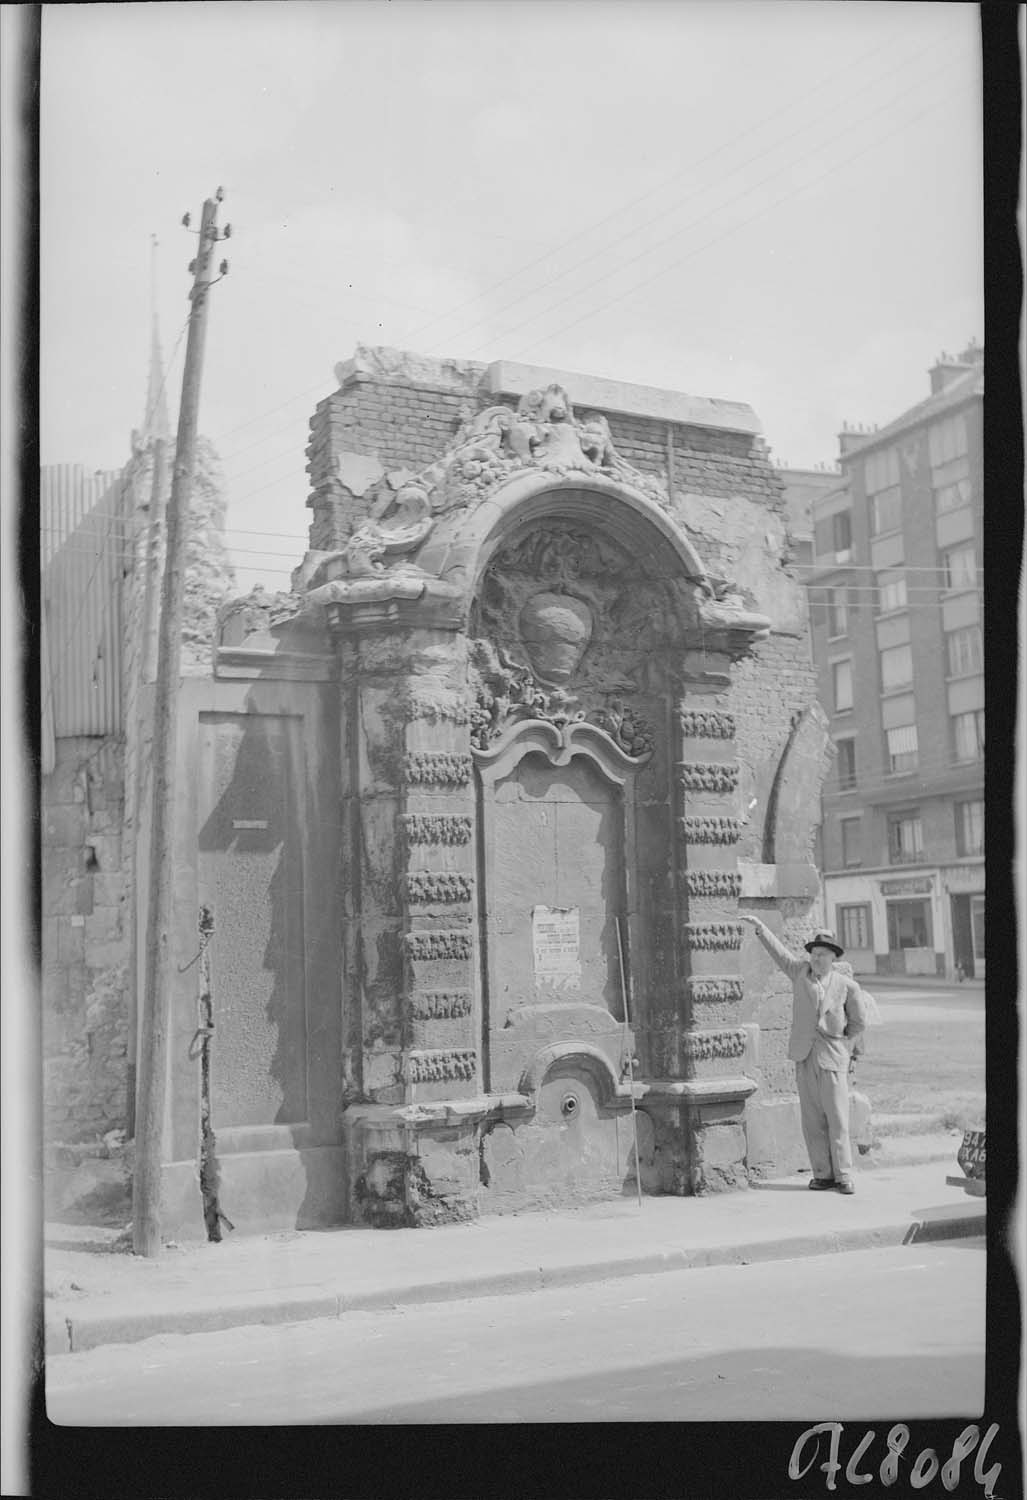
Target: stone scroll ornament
508,693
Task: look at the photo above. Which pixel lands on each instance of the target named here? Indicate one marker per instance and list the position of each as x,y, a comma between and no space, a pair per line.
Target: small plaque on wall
556,945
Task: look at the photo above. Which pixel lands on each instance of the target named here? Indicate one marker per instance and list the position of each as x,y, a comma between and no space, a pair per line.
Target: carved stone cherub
559,444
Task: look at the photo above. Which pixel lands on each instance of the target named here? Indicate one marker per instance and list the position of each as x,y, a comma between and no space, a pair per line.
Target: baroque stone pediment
394,558
542,433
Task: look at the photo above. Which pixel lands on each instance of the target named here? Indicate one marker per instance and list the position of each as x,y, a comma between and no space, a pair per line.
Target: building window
909,925
977,926
970,827
905,839
837,612
881,471
846,765
950,468
965,652
852,842
968,735
896,668
902,748
841,534
885,511
947,440
854,926
891,592
960,567
841,673
884,493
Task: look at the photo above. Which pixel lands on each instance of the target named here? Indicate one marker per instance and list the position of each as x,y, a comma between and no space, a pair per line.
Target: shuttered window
902,748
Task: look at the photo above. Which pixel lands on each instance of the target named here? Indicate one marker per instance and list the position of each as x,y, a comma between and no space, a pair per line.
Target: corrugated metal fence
84,549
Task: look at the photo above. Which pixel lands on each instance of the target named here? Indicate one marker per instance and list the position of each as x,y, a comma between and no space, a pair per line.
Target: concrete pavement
99,1294
722,1343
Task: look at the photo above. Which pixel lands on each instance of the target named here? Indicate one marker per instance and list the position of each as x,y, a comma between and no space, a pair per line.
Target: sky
769,201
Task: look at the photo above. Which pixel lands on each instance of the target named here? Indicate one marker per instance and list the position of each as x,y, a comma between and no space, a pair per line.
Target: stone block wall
84,942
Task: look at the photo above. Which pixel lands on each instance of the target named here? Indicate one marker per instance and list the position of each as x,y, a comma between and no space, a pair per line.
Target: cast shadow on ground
760,1384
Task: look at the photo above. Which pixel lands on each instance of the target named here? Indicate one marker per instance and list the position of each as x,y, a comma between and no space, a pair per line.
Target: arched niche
558,904
574,744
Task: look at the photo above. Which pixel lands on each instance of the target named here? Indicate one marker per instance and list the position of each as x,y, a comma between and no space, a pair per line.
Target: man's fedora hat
825,939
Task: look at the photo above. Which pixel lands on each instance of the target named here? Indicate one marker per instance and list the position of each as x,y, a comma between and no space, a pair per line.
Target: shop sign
906,887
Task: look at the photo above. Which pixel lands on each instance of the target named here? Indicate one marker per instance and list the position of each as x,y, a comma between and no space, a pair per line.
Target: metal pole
631,1065
153,1052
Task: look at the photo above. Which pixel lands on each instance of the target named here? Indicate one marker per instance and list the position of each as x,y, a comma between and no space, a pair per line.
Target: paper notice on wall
556,945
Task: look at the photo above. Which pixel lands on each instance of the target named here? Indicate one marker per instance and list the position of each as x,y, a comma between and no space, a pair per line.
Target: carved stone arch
557,1053
463,542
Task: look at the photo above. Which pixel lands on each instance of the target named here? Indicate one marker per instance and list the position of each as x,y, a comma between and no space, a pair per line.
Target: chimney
849,438
948,368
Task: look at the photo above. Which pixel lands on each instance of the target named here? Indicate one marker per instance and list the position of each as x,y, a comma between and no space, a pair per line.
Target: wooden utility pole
153,1052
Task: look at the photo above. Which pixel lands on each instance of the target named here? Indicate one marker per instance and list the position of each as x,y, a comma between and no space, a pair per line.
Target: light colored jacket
827,1014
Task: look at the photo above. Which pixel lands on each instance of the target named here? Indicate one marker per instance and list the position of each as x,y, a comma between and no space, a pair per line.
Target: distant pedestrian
827,1026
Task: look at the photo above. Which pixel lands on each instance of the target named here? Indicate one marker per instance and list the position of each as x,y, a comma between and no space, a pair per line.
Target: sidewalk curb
68,1332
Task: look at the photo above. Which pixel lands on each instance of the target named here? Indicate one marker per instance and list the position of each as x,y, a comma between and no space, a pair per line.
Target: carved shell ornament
555,630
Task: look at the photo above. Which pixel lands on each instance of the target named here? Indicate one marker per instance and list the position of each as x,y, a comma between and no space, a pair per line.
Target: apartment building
896,612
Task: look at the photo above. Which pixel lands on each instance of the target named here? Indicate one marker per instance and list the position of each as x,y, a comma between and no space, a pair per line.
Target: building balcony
902,857
885,789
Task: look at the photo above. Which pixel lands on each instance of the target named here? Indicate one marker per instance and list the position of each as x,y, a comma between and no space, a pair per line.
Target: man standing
827,1022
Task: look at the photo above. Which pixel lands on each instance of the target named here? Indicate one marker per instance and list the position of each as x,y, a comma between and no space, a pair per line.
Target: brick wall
85,944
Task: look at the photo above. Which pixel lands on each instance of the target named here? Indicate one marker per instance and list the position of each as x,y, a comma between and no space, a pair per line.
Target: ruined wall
84,943
89,853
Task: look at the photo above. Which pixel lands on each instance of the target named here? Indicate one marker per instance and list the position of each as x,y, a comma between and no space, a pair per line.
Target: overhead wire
708,244
635,230
659,187
758,125
667,269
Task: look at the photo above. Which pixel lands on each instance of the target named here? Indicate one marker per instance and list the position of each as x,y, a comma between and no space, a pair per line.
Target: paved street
909,1003
877,1334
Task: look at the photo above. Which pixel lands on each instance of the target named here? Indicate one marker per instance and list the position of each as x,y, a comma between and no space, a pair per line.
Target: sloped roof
964,388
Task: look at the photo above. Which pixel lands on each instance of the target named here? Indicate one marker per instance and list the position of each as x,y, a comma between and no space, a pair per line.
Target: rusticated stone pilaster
442,1066
714,1046
715,989
706,724
726,883
437,828
433,887
711,935
441,1005
439,768
708,776
424,947
437,708
711,830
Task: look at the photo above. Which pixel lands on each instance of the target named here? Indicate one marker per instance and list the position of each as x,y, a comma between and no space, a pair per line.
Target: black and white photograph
499,924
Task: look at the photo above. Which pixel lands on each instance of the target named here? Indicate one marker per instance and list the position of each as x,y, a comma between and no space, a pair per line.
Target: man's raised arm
785,960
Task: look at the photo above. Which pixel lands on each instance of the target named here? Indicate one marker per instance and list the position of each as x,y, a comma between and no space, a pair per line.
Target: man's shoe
821,1184
845,1185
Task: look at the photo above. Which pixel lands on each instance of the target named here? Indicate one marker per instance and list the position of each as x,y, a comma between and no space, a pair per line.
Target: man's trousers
824,1111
